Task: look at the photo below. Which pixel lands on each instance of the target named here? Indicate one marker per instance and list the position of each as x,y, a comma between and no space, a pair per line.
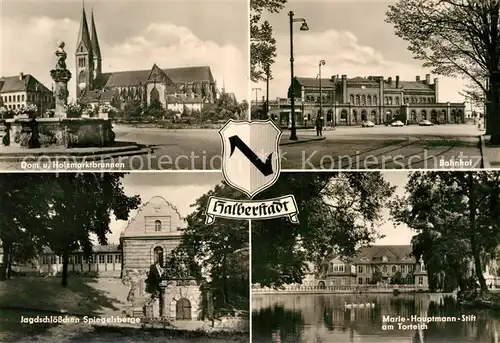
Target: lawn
106,297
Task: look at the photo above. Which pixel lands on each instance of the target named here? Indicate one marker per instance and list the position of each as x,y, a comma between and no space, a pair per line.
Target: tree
376,277
133,109
337,213
396,279
225,108
456,38
24,217
446,259
262,43
155,109
81,205
220,250
456,214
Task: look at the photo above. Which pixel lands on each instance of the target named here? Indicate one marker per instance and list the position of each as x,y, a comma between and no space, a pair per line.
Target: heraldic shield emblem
250,155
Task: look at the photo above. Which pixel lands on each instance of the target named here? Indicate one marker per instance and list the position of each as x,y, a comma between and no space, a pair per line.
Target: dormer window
364,259
157,225
384,259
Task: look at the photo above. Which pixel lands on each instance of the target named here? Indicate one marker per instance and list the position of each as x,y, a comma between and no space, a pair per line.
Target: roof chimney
427,79
21,76
397,81
417,78
389,80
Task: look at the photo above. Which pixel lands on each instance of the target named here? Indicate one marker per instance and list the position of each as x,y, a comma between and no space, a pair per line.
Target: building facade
105,261
174,88
377,264
151,236
22,90
350,101
148,239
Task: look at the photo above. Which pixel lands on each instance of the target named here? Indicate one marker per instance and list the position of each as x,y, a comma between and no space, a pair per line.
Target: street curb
303,141
484,159
78,158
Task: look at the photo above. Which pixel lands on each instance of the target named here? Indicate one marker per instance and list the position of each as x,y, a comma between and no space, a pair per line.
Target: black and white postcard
120,258
377,84
120,85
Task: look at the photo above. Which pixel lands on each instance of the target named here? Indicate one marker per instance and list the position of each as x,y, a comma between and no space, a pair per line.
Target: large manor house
176,88
350,101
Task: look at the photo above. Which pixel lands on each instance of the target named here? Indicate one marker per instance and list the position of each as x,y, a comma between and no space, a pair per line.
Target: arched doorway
158,256
413,116
183,309
434,116
329,116
321,284
388,116
459,117
423,114
374,116
453,116
364,116
343,117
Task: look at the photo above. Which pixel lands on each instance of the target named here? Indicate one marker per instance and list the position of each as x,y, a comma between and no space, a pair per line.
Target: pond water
280,318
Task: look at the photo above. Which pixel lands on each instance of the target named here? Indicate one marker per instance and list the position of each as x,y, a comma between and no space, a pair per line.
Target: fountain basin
57,132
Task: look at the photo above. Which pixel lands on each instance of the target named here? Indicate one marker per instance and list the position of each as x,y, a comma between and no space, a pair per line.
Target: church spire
95,41
83,34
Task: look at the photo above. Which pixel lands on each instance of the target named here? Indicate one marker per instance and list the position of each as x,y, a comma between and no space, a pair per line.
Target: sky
353,38
132,35
181,189
401,234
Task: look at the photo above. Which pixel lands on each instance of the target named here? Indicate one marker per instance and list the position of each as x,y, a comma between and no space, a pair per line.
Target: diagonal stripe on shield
250,155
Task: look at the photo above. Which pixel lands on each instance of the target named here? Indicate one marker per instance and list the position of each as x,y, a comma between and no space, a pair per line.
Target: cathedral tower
84,63
96,50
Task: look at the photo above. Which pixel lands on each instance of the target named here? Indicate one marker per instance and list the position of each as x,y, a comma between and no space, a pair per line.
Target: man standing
319,126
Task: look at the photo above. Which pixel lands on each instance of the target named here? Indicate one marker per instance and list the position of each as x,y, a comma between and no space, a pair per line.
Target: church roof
393,253
96,49
110,248
314,82
83,34
21,83
410,85
134,77
376,253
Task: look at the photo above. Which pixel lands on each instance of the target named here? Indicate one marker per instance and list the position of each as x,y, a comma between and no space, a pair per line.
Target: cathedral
176,89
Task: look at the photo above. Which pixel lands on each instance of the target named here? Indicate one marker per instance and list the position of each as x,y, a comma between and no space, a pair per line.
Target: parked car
425,123
367,123
398,123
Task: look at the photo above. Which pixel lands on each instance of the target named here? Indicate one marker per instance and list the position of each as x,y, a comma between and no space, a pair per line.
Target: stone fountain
31,132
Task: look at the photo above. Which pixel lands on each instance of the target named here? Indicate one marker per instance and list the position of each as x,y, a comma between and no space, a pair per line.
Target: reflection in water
280,318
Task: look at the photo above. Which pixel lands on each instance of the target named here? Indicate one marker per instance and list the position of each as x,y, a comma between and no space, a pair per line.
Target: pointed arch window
154,95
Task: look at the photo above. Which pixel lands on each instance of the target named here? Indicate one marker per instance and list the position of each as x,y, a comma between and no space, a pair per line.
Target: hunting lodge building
148,239
350,101
176,89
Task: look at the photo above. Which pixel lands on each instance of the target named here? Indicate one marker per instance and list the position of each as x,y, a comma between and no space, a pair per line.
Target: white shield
250,155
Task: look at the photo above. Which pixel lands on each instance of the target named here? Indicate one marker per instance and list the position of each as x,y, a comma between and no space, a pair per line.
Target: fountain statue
61,76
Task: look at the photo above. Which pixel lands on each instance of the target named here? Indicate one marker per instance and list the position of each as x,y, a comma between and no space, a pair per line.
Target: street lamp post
256,90
268,73
303,27
321,63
